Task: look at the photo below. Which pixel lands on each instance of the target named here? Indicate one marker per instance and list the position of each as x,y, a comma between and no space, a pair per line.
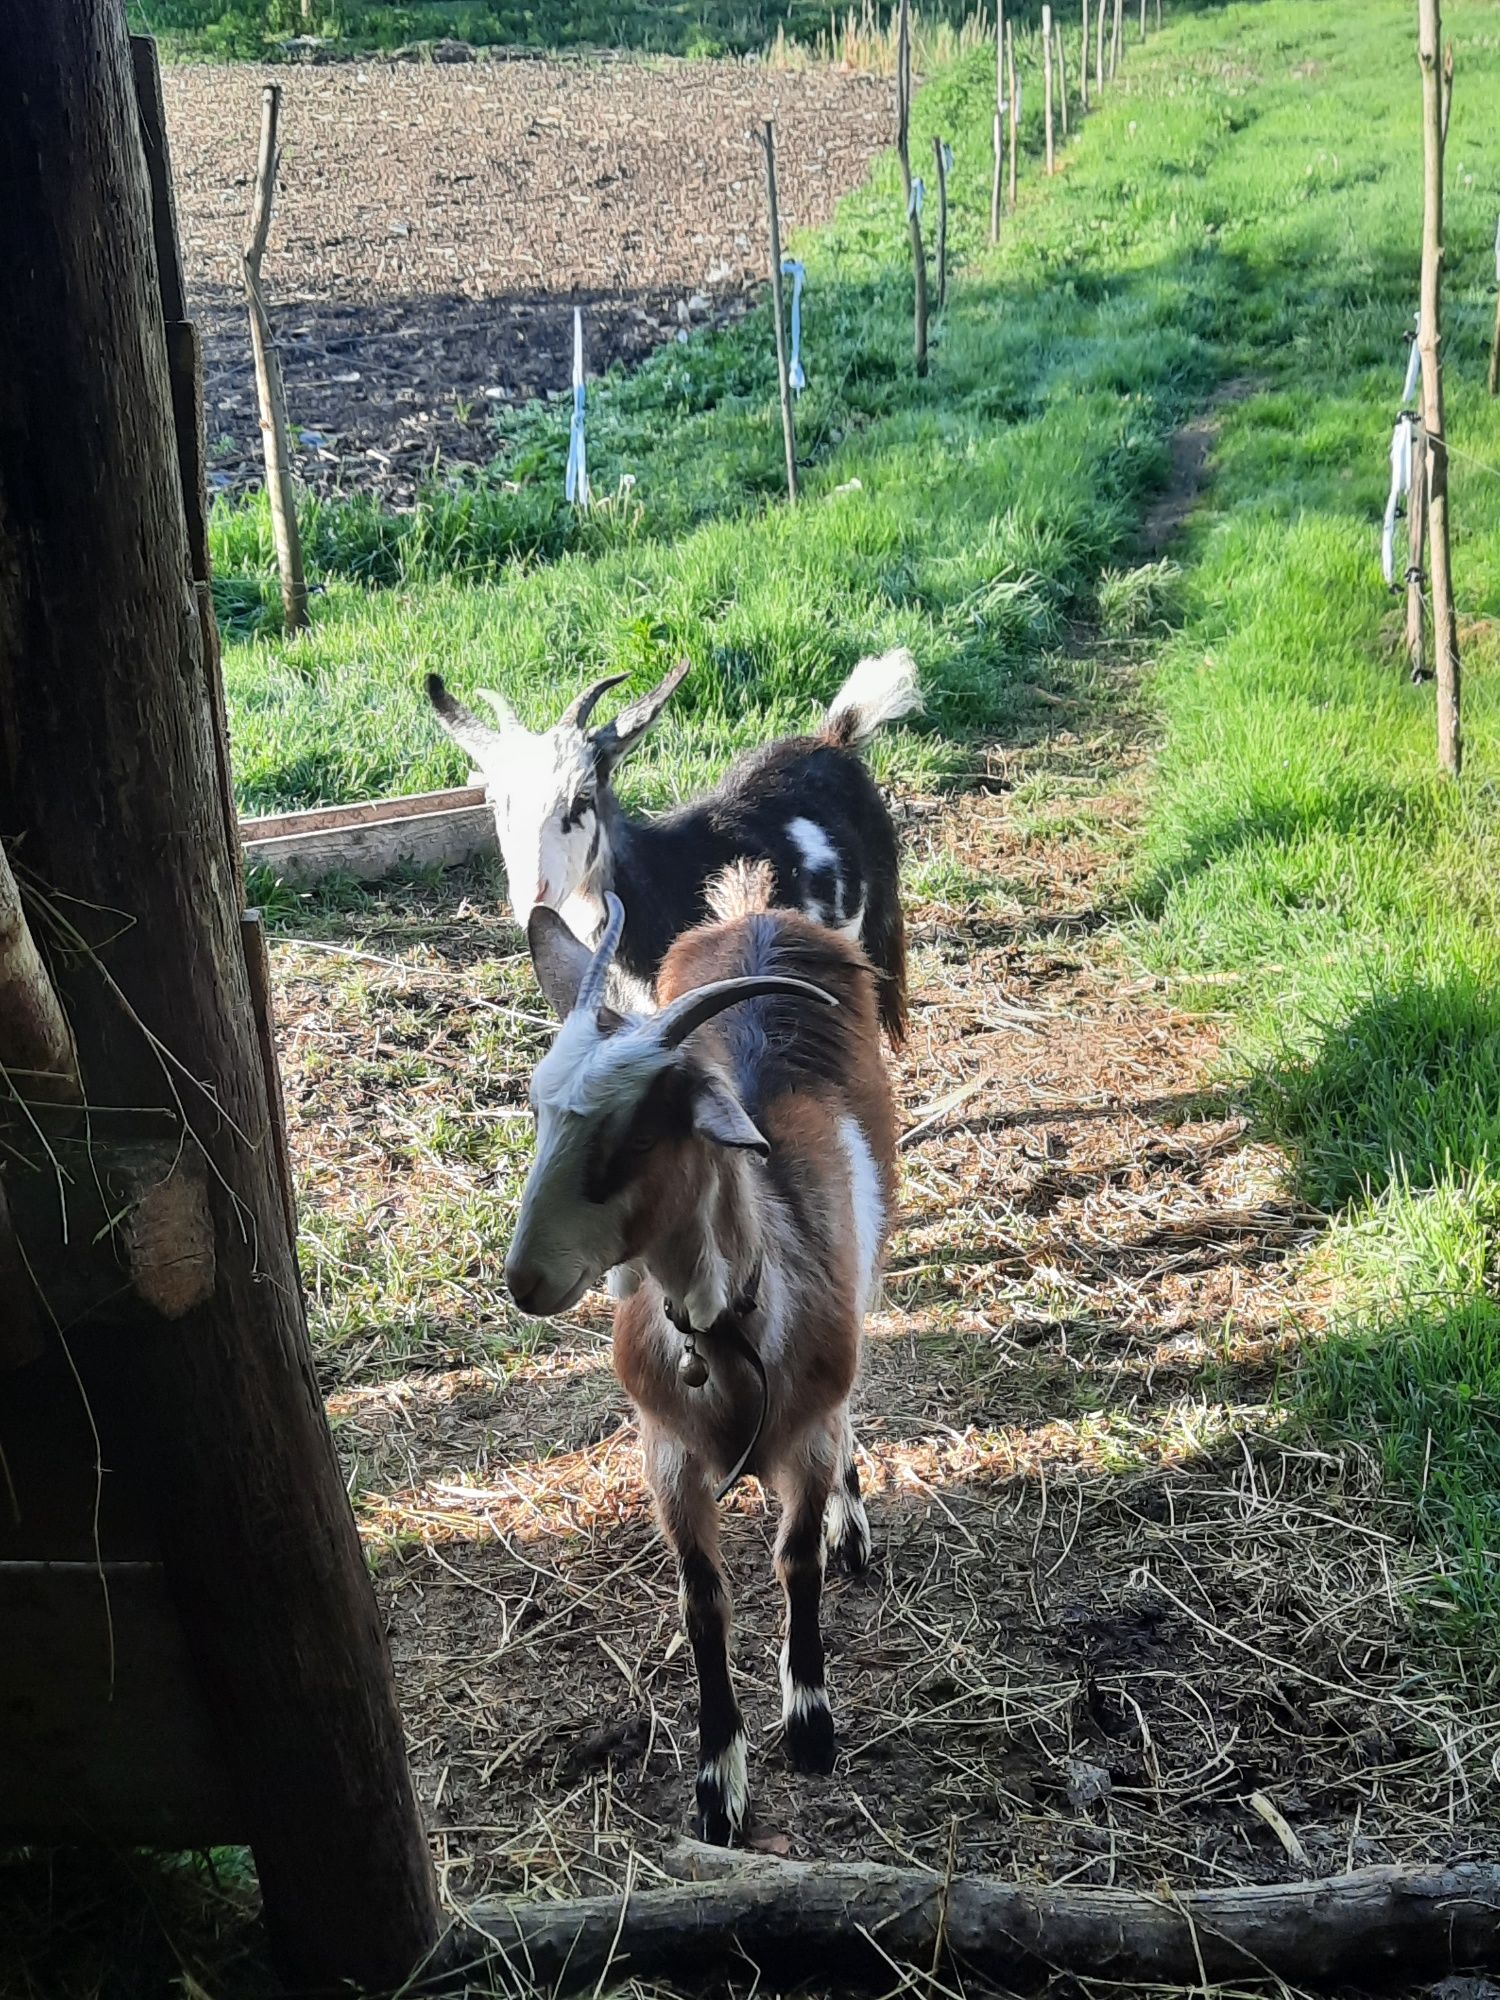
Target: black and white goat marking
807,805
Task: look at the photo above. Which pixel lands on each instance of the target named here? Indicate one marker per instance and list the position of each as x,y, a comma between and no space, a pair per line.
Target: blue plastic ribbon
790,268
576,485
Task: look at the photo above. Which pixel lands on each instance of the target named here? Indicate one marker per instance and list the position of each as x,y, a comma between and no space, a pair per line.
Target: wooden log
270,390
107,765
1429,339
783,374
38,1059
850,1921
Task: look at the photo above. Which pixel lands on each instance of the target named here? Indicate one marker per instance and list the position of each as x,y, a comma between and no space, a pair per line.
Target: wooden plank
153,119
313,819
258,966
371,848
103,1733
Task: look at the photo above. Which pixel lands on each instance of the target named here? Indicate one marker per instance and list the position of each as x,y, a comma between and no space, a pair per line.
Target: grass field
1246,213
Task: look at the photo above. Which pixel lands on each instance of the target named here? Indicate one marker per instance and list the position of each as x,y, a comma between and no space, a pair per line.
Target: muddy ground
1126,1624
436,224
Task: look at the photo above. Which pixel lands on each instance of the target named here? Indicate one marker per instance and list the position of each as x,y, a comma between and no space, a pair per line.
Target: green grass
1299,834
1247,207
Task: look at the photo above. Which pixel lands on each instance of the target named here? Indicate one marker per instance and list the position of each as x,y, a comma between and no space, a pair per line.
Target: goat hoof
723,1796
809,1738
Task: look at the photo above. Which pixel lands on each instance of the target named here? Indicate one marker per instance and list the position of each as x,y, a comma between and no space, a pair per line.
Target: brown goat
732,1160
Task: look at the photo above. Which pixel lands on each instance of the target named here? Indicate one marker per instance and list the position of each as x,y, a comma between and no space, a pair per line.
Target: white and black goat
806,804
731,1159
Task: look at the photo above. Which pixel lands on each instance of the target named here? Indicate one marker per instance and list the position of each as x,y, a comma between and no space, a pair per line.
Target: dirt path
1118,1600
435,226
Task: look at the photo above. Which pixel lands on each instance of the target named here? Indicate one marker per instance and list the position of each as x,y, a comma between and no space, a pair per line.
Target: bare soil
1123,1613
435,225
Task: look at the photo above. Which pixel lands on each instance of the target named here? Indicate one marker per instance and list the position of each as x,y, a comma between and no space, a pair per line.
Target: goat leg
690,1522
846,1526
806,1717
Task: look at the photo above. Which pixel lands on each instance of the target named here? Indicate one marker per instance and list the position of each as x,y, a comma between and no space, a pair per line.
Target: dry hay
1126,1623
434,226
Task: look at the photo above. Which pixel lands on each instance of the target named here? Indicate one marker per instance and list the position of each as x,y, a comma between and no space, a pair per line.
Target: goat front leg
802,1485
846,1526
690,1522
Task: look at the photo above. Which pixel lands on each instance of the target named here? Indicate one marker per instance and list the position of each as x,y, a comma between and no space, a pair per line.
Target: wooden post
1062,82
913,217
1047,85
1447,90
1429,340
1143,20
783,379
202,1381
1000,120
1117,40
1416,580
1083,61
270,390
1015,107
1158,13
940,160
1101,8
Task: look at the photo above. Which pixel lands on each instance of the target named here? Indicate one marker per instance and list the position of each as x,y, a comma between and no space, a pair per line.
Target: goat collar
730,1327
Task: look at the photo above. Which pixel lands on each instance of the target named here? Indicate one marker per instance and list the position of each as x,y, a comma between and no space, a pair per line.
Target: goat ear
719,1116
561,961
618,738
505,715
481,741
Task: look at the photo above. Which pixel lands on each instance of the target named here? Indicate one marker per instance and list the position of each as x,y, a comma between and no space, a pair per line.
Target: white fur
880,690
533,781
730,1774
818,858
797,1699
869,1209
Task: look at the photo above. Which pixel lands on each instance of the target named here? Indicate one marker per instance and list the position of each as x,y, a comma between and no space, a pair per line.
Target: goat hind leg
807,1719
846,1526
690,1523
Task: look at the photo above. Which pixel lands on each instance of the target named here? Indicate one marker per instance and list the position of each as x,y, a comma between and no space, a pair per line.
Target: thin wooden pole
1447,89
1083,62
1047,85
1143,20
1015,106
1416,521
995,184
913,214
1117,40
1158,13
1062,82
1101,8
783,375
1429,340
269,387
940,159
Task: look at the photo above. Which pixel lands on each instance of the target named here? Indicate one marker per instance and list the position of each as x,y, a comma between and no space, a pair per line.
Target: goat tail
880,690
742,890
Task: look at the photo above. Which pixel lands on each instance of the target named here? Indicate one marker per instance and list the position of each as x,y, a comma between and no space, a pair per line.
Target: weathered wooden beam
848,1923
367,841
108,767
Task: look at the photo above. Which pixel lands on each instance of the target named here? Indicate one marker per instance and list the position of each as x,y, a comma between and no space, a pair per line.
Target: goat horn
675,1023
591,986
578,711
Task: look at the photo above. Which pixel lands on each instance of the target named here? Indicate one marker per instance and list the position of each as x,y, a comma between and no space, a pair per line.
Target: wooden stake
999,119
1101,8
913,219
1416,522
1062,82
269,388
1143,20
1015,107
1158,13
1429,340
1047,84
940,158
1117,40
1447,89
783,380
1083,61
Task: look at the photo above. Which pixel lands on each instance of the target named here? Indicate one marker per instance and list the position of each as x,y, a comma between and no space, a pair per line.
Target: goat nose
525,1282
543,890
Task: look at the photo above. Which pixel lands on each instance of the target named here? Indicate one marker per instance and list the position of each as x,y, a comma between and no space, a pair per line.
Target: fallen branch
849,1920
